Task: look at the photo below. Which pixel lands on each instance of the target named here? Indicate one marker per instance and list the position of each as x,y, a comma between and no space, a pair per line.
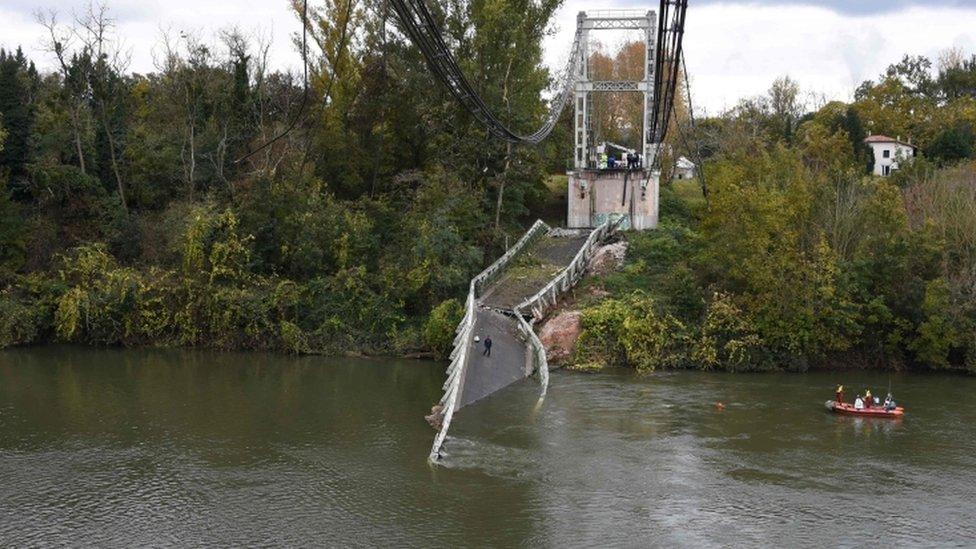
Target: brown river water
129,448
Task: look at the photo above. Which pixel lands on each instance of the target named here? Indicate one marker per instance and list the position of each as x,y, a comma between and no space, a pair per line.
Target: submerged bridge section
503,303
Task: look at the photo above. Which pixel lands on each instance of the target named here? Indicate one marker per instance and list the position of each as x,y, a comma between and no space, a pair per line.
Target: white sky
734,48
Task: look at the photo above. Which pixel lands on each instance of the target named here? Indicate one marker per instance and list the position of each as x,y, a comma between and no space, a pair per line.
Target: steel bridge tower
595,194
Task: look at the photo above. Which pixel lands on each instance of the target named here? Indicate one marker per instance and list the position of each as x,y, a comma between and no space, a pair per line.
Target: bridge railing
462,341
491,274
455,371
546,298
539,363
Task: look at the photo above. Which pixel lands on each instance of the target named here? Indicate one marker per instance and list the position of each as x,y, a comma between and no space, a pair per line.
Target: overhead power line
301,108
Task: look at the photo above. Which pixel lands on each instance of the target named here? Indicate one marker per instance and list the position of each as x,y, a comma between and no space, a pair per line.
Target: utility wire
301,108
694,126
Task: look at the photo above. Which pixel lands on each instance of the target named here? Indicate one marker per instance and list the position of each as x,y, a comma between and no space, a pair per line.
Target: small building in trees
684,168
889,153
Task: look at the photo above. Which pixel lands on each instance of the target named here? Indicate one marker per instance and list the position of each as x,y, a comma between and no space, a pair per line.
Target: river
145,447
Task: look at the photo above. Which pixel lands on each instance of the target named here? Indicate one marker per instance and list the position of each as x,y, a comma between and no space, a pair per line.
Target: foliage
631,332
132,213
797,258
440,326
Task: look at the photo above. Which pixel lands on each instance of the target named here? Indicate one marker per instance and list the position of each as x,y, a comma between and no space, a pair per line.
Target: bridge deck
507,364
531,272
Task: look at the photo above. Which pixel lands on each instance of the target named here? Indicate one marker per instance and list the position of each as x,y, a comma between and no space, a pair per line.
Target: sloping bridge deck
529,274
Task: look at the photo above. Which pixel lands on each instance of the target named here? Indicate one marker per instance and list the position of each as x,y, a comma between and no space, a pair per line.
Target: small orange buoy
719,406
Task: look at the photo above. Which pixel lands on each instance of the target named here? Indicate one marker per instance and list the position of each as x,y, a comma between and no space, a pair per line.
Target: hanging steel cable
670,32
420,27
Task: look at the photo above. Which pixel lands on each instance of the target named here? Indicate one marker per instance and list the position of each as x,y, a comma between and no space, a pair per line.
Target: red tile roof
885,139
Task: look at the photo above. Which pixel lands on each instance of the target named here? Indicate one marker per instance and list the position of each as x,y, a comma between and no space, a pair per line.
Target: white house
684,168
888,153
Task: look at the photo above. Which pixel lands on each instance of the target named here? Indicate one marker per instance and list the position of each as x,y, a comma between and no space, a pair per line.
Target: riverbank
764,278
755,282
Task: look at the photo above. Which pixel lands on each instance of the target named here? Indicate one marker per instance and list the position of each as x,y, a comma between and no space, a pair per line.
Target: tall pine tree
16,111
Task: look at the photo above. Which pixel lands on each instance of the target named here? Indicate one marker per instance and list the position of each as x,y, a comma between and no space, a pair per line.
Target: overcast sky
734,48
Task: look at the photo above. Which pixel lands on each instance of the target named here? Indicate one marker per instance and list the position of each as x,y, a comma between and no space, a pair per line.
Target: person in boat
840,394
867,398
889,403
858,403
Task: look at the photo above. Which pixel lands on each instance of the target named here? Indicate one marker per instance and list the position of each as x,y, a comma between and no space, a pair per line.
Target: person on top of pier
487,351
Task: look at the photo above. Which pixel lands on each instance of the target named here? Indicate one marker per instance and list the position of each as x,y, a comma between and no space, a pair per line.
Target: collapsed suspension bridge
522,286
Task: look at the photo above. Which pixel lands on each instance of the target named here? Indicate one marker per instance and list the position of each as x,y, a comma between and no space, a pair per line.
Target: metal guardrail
491,273
539,361
540,303
459,358
548,296
537,304
462,341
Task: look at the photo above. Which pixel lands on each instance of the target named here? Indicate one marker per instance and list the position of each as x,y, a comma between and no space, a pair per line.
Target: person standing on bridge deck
487,351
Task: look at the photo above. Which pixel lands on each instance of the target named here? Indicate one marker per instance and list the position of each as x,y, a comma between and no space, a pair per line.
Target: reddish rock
559,335
607,259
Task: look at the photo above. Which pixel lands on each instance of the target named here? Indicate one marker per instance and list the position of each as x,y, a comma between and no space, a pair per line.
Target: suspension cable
671,26
421,28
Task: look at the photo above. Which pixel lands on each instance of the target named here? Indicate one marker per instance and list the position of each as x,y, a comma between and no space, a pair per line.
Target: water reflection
183,448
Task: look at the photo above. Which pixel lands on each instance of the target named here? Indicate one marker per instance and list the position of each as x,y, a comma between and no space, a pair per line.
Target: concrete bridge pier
597,195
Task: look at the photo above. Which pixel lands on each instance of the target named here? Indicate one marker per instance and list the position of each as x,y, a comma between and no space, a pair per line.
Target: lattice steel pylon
584,151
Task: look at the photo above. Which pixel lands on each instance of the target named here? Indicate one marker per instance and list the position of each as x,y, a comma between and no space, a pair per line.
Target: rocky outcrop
607,259
559,335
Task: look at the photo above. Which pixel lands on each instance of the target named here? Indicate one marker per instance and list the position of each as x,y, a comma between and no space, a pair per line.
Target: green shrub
439,328
631,332
20,319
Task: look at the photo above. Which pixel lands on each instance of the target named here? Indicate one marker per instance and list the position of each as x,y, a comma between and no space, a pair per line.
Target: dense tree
800,258
17,78
953,143
146,208
151,211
